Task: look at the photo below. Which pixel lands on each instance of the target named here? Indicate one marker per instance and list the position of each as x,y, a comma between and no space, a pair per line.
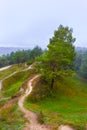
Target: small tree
37,51
57,60
18,57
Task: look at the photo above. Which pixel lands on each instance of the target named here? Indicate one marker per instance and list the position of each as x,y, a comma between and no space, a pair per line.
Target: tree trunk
52,83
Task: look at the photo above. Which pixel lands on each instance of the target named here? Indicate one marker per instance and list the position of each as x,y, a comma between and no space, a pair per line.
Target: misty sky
27,23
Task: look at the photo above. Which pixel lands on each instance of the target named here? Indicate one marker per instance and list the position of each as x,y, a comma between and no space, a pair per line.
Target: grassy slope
12,85
10,70
4,74
67,105
11,118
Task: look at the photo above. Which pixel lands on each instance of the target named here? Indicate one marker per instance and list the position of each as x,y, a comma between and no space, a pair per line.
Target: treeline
80,64
20,57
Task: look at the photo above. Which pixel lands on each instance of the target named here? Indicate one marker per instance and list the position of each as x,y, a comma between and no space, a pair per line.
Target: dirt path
4,68
65,127
32,117
6,78
1,69
32,123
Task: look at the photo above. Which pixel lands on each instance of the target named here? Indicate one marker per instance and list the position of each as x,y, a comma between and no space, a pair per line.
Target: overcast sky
27,23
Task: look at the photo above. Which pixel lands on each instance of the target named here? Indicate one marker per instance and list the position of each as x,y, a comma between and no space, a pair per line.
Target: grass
11,86
10,70
11,118
67,104
4,74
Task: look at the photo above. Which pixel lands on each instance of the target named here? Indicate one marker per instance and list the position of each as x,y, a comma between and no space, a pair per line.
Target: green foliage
57,60
83,67
37,51
63,34
3,61
20,56
80,63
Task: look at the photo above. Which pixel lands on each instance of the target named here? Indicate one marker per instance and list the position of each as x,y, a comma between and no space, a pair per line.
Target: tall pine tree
58,58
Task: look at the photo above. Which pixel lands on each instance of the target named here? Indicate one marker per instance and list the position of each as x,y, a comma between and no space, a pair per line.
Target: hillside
66,104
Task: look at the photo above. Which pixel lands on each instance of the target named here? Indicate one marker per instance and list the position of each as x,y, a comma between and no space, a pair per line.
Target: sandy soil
66,127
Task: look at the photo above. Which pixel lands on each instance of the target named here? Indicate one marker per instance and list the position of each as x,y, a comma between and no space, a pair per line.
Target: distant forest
20,56
29,56
80,63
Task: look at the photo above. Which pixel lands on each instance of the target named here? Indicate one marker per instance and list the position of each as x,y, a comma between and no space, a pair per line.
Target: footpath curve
4,68
31,116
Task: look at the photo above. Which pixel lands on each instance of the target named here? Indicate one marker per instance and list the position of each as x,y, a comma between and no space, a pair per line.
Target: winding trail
1,69
7,78
31,116
4,68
